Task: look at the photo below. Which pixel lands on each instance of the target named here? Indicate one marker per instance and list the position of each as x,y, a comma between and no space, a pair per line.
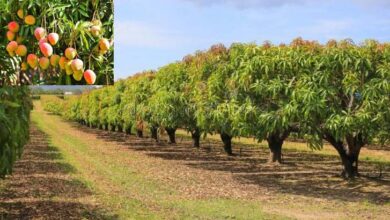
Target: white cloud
140,34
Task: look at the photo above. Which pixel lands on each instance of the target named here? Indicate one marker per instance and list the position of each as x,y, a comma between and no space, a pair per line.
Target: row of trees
15,107
338,92
85,26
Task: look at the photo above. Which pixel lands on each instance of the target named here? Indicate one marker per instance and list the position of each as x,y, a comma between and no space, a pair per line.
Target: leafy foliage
15,107
167,103
338,92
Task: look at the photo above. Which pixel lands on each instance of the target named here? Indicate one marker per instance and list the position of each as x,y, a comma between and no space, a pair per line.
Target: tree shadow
303,173
51,210
50,153
42,187
377,147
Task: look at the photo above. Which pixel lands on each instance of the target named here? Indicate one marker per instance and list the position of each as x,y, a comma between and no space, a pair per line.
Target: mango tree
346,99
112,115
54,105
167,104
93,105
103,108
264,80
212,96
127,107
116,105
73,105
84,110
135,108
143,94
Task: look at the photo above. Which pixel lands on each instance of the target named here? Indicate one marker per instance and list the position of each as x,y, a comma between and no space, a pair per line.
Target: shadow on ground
303,173
41,187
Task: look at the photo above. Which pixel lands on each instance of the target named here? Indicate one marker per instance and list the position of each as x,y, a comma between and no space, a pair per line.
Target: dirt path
140,179
42,187
308,186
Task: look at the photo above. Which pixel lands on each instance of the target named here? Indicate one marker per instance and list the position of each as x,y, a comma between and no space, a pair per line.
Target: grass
43,181
222,209
93,172
125,191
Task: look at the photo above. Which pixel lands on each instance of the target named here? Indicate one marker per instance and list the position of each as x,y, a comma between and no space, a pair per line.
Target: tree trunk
153,131
195,138
275,152
172,135
106,127
112,128
128,130
227,143
140,133
275,143
349,151
350,165
140,128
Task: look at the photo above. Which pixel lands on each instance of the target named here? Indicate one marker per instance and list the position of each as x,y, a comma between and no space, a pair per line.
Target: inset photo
56,42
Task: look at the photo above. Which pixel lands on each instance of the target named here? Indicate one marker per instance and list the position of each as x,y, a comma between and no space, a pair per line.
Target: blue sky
152,33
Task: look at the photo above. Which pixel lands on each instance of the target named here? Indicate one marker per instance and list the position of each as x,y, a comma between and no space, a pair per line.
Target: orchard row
338,92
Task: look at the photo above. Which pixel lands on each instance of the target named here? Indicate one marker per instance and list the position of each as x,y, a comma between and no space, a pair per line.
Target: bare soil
302,173
42,187
307,185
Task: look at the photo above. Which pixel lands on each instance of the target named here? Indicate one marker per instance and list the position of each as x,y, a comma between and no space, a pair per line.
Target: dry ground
140,179
42,186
